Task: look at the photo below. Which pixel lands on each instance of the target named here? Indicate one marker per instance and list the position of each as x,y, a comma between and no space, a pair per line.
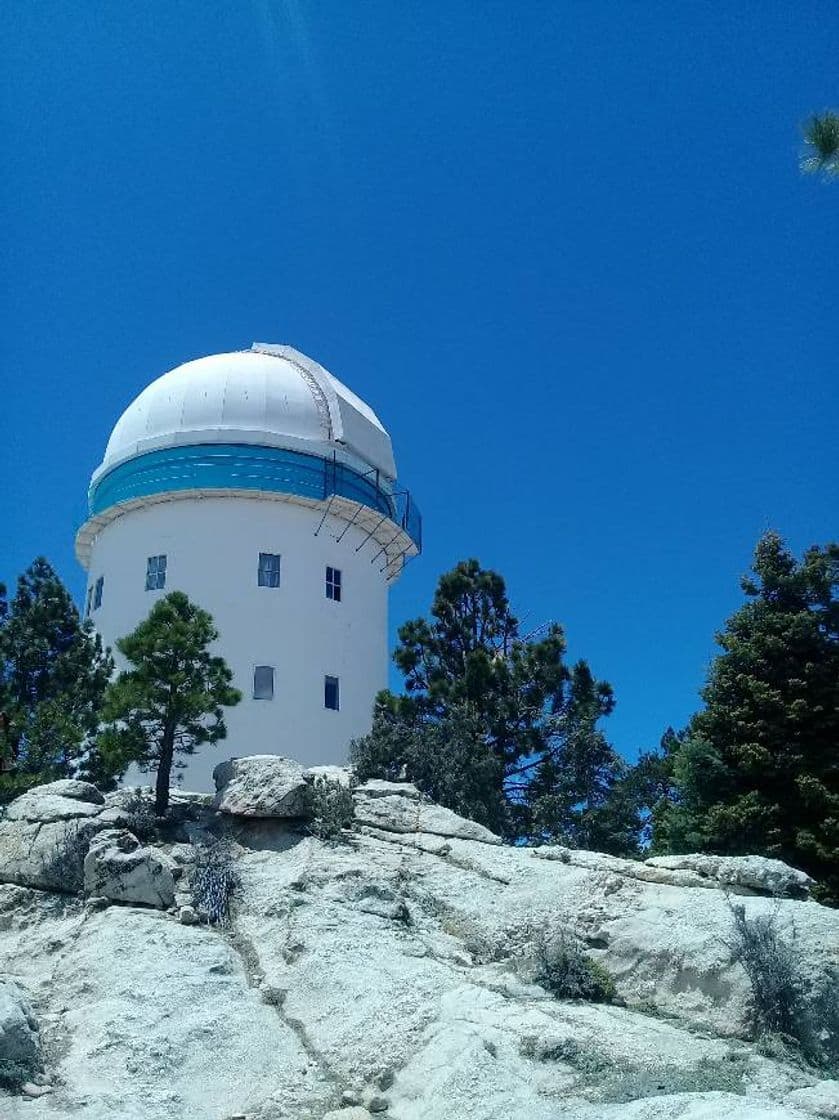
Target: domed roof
269,395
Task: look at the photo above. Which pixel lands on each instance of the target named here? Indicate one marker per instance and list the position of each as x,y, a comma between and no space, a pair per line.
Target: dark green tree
821,135
758,770
651,787
172,698
53,675
488,713
578,792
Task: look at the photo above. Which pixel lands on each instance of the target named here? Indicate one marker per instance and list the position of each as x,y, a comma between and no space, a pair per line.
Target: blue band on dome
223,466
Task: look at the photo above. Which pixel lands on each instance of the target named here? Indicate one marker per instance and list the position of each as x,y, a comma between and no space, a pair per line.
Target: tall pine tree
53,675
578,792
172,699
758,770
488,713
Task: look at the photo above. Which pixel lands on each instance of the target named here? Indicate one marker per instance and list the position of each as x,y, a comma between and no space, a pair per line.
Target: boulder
404,813
750,873
340,774
19,1039
70,787
51,803
262,785
118,868
45,833
821,1099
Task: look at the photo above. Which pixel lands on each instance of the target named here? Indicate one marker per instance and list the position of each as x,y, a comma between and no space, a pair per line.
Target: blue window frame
89,601
155,573
97,593
268,573
333,584
331,693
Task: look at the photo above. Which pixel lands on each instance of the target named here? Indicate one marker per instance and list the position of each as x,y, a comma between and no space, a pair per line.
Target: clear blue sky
562,248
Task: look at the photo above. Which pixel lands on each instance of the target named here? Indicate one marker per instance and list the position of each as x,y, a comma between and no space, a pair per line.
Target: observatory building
265,489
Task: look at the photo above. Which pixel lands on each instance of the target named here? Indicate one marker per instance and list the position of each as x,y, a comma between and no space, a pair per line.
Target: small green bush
787,1010
331,808
561,966
66,859
139,814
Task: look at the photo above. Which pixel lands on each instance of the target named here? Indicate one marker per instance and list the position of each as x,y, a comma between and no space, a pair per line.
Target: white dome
269,395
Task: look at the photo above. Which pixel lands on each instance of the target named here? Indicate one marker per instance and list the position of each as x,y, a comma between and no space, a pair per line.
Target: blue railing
223,466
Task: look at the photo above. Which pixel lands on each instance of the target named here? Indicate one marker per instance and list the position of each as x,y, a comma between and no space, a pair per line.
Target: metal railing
250,467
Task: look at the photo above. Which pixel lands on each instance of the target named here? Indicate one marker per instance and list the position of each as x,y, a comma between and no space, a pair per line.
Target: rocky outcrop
735,874
116,867
20,1044
44,835
398,807
391,974
741,873
261,785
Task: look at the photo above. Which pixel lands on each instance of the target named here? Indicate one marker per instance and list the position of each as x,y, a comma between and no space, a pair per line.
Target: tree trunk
164,772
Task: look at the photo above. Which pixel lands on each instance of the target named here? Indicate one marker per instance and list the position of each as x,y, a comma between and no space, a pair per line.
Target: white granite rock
394,968
19,1038
260,786
118,868
821,1099
404,813
752,873
378,787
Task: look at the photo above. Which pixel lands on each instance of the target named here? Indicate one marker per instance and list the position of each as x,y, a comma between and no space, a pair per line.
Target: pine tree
493,723
758,770
578,794
651,787
171,700
53,675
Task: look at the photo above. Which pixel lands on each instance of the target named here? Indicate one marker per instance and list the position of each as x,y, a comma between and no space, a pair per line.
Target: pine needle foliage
496,726
331,809
53,676
757,771
821,135
173,697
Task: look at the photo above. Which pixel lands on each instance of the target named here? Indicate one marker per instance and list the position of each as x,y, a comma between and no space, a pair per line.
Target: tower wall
212,547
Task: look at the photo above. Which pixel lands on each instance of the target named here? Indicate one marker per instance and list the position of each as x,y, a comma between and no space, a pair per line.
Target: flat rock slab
753,873
394,813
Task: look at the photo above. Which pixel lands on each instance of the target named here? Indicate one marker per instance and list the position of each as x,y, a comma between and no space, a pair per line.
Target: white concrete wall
213,545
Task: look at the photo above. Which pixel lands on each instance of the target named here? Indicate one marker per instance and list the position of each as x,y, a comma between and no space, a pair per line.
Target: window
331,694
155,573
97,593
89,601
269,570
333,584
263,682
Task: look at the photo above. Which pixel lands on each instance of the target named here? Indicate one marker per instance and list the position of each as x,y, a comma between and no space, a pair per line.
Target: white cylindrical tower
265,489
